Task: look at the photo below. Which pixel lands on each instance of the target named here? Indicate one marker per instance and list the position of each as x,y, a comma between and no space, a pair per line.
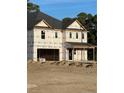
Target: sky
66,8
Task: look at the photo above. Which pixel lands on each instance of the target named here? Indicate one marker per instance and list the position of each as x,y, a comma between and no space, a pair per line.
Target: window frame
76,35
56,35
70,35
82,35
42,34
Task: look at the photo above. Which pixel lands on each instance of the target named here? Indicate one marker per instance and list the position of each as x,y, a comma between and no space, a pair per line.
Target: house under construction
49,39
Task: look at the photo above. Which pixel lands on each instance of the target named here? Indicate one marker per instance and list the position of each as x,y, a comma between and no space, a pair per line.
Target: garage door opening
48,54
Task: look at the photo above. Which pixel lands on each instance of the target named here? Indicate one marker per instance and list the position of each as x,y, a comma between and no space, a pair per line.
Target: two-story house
48,38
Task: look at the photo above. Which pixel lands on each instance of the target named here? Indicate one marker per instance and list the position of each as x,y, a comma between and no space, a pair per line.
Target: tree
32,6
82,17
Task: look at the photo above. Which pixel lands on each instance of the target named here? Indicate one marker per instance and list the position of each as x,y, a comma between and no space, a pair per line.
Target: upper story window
70,35
76,35
56,35
42,35
82,35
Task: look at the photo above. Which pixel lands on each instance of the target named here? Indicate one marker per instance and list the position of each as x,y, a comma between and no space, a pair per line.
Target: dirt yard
44,78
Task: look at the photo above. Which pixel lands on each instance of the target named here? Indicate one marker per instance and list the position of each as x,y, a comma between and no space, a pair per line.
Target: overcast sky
66,8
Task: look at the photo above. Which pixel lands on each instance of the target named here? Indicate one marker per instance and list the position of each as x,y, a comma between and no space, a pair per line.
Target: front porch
78,52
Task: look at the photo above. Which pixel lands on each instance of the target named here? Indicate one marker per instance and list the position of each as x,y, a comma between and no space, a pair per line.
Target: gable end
43,23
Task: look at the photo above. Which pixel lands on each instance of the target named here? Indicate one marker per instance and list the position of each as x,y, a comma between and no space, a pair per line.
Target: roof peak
35,17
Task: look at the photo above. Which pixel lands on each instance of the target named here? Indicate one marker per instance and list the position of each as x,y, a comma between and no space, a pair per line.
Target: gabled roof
65,25
35,17
43,23
71,22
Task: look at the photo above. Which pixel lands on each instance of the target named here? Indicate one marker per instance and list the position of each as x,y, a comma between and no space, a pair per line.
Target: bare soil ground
44,78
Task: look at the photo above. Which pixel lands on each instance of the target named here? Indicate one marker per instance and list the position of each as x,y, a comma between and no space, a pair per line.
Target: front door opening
70,54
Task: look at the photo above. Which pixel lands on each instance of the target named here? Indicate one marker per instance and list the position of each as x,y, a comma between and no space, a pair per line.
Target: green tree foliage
92,27
82,17
32,6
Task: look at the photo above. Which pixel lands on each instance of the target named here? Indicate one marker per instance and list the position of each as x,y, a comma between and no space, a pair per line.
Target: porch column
93,54
66,55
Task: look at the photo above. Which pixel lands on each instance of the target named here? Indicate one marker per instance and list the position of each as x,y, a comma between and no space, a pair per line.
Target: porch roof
79,45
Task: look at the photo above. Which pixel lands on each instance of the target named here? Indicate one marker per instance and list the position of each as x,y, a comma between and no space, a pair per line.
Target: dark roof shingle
34,17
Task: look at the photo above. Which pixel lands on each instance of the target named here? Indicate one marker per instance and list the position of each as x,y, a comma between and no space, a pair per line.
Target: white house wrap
49,40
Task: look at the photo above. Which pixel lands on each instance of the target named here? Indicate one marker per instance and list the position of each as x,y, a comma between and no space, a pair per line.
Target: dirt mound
44,78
